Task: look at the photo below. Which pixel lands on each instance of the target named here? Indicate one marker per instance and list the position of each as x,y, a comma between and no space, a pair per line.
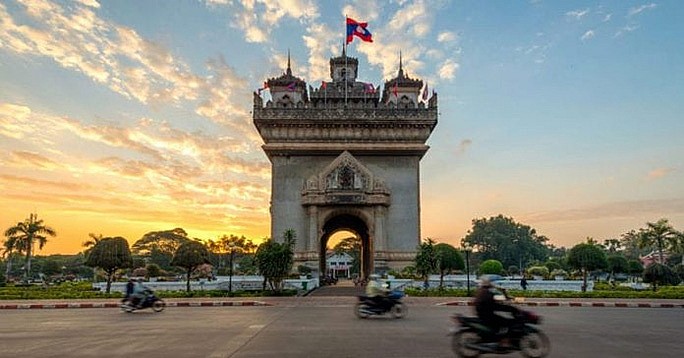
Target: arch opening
344,226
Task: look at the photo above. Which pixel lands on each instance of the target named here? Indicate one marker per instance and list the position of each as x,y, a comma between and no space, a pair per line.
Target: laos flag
358,29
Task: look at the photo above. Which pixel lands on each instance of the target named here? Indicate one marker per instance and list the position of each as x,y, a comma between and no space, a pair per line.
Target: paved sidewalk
335,301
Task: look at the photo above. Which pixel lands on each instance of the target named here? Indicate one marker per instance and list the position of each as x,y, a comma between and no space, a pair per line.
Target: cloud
658,173
447,70
607,18
622,209
446,36
118,57
321,40
257,18
626,29
587,35
577,14
30,159
638,10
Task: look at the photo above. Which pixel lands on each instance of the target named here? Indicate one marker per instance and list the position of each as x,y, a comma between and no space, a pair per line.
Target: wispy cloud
119,58
257,18
623,209
607,18
446,36
577,14
447,70
588,35
625,29
658,173
639,9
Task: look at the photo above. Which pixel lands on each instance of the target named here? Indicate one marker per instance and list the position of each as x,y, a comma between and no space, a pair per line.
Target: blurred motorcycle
471,338
372,306
149,301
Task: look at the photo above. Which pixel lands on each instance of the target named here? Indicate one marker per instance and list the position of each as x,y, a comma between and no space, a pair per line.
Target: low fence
461,282
255,283
238,283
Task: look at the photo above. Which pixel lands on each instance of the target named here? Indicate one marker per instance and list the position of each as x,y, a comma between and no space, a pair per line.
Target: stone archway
355,225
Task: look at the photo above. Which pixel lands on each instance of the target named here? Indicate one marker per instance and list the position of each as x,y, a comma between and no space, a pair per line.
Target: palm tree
659,234
11,245
89,244
26,234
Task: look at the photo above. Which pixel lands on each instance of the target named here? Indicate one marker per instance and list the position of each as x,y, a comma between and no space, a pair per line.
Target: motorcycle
150,301
368,306
471,337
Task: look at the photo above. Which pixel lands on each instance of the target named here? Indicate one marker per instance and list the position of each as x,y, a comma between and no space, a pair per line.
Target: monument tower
345,156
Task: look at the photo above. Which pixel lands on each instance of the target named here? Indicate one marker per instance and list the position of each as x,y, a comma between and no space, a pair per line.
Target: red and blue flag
358,29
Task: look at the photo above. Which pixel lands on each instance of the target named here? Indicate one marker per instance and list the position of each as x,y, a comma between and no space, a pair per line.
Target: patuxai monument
346,156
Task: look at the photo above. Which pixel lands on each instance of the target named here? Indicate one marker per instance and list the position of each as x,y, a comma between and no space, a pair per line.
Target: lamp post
231,247
466,249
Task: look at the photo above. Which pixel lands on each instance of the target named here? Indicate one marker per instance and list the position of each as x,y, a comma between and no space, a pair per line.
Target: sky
124,117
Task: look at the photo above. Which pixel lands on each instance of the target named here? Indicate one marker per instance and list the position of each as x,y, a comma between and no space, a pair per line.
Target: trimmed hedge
665,292
84,290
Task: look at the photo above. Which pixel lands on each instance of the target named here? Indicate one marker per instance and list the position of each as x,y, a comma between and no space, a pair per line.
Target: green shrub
542,271
491,267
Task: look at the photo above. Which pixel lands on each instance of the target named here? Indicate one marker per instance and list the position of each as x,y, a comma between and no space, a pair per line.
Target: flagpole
345,59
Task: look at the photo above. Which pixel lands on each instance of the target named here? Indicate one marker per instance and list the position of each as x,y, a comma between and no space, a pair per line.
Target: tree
190,255
88,244
160,246
110,254
541,271
448,259
617,264
635,268
631,245
233,245
587,257
504,239
352,247
661,235
658,274
153,270
513,270
491,267
11,245
275,260
26,234
426,259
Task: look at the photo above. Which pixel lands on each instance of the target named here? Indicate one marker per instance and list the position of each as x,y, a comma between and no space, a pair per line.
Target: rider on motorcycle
377,291
487,307
139,294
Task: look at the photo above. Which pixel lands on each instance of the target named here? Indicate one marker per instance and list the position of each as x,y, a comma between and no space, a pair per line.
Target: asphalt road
318,331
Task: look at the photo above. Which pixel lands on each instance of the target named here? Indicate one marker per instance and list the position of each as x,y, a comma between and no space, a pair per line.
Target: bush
660,275
303,269
559,272
538,271
491,267
153,270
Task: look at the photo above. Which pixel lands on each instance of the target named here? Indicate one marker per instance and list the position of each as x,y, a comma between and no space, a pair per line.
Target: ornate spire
401,66
344,50
289,70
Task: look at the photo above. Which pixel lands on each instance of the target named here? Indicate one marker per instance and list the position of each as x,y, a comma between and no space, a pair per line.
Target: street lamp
466,248
231,247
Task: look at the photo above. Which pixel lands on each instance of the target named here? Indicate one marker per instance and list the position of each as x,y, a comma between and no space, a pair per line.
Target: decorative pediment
345,180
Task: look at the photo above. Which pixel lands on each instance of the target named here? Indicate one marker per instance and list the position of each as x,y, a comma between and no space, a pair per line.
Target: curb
579,304
22,306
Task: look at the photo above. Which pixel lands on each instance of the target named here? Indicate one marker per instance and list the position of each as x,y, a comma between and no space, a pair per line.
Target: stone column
312,245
